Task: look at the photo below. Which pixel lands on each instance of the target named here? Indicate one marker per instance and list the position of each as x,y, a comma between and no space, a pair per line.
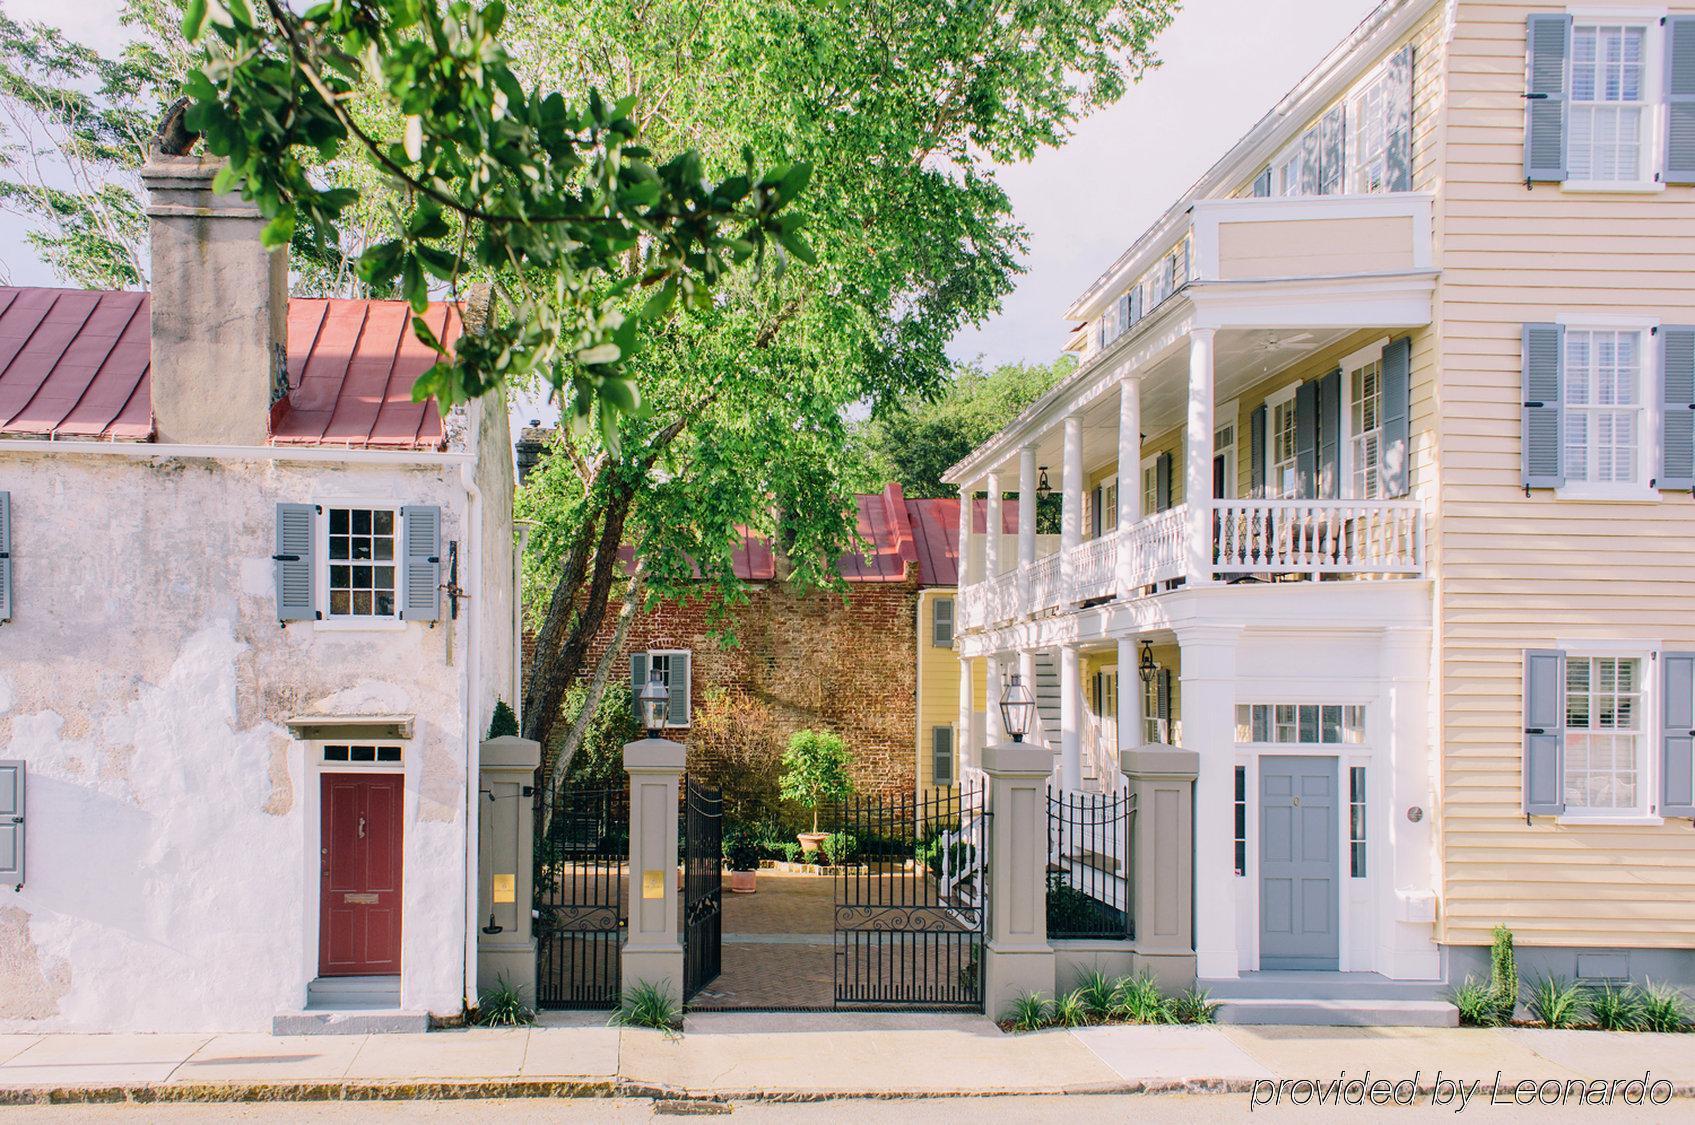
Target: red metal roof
76,363
935,525
884,521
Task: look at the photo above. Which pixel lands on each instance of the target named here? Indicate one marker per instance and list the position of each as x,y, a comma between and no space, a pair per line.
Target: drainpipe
473,715
524,529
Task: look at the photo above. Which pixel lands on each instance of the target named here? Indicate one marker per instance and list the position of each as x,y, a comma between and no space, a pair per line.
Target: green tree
903,110
920,438
815,770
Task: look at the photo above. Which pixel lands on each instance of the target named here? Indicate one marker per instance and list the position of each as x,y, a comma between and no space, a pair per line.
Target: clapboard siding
1517,572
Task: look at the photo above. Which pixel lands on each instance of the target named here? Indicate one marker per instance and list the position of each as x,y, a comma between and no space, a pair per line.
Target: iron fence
1090,888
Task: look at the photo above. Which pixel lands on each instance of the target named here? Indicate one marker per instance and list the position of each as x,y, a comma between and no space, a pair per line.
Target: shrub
1096,990
1554,1001
599,760
1194,1005
1664,1008
1617,1008
1477,1003
503,1006
740,850
1503,975
815,770
1138,999
840,847
791,850
504,723
1029,1012
648,1005
1071,1010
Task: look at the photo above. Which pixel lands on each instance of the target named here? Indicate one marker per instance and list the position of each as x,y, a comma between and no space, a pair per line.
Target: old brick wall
792,661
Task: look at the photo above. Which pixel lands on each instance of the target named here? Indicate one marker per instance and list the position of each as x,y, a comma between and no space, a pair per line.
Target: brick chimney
219,308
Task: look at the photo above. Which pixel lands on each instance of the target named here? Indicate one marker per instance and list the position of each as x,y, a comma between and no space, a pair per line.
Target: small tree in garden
815,770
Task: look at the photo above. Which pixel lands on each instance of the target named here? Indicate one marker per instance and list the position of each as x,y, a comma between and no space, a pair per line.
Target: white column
1026,527
994,731
1071,525
970,751
965,491
1070,719
992,531
1208,678
1129,489
1129,691
1197,461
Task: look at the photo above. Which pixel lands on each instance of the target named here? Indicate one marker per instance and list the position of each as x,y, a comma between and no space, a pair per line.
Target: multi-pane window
1224,458
389,755
1313,723
1356,821
1289,172
1281,479
1365,411
1604,732
1241,820
361,556
1371,113
1604,410
1150,489
1608,104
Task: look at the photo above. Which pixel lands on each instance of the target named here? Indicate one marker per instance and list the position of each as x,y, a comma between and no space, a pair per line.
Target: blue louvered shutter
1312,161
1680,99
422,600
1135,304
1332,143
941,755
1677,407
1306,441
678,681
1548,39
1125,318
12,824
1544,394
1256,452
1262,184
1330,435
1399,106
297,526
638,677
5,556
1395,451
941,623
1544,731
1677,735
1162,481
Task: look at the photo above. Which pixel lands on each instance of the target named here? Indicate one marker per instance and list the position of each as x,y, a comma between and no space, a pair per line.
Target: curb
518,1088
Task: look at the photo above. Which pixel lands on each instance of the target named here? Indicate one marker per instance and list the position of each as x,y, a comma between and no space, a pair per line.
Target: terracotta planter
742,882
811,841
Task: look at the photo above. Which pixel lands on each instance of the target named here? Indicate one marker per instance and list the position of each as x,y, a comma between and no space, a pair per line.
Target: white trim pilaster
1070,718
1207,684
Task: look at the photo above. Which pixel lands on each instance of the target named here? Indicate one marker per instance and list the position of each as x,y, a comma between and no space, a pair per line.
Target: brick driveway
779,945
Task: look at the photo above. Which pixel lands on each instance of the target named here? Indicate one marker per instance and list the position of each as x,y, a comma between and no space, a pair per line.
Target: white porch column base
1208,679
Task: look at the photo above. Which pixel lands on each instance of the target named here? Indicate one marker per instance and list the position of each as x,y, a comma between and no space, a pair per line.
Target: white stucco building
256,610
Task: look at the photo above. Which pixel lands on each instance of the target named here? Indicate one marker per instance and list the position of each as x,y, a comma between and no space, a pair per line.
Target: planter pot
811,841
742,882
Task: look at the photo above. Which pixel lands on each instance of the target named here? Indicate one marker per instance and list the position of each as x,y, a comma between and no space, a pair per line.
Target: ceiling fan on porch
1275,342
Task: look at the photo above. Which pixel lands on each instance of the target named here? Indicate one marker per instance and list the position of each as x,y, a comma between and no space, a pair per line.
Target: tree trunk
597,683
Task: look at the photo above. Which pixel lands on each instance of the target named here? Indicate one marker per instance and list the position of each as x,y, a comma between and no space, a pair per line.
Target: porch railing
1094,568
1154,547
1317,537
1045,586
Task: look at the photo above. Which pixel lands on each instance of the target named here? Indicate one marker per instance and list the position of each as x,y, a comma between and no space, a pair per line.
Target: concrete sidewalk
743,1056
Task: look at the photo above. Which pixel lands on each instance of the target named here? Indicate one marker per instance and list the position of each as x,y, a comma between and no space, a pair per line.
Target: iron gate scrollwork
582,860
912,901
703,878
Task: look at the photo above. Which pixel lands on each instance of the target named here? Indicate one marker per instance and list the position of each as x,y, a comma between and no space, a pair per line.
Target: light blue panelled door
1299,884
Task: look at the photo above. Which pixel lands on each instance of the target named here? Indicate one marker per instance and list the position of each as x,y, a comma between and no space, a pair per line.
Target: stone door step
1340,1013
365,1022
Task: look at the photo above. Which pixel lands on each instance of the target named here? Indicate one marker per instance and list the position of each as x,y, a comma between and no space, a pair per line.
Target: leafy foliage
919,437
503,1006
1503,975
503,722
741,850
1555,1001
816,770
1195,1005
839,848
1097,991
1138,999
648,1005
1029,1012
1477,1004
600,758
1617,1007
1664,1008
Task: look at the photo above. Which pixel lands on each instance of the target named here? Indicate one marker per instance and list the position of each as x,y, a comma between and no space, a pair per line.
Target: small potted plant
742,854
815,770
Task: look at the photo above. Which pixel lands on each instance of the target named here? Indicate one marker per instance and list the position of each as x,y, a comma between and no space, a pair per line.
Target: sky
1225,63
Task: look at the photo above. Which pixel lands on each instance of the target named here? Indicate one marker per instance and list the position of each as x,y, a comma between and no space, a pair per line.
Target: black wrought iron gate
703,877
911,908
582,860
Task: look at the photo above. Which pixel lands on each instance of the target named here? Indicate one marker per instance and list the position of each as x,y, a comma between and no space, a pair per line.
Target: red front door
359,862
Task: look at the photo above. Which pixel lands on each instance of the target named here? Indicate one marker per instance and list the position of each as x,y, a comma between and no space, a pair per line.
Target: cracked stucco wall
145,680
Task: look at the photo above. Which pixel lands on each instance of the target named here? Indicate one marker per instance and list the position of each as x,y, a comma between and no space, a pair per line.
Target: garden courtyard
779,945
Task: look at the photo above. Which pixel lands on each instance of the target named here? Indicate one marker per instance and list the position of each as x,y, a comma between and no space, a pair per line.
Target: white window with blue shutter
1544,732
358,564
296,562
674,667
5,556
1677,735
1677,407
1363,144
941,756
1609,100
941,623
1590,730
12,777
421,593
1598,399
